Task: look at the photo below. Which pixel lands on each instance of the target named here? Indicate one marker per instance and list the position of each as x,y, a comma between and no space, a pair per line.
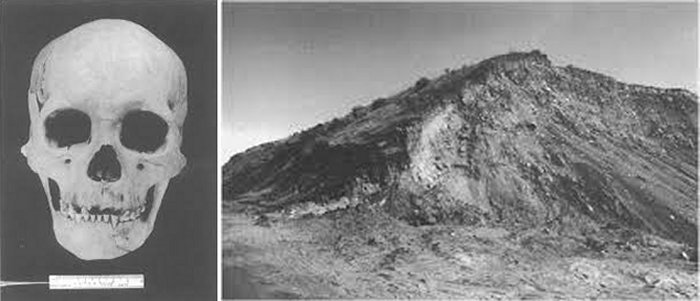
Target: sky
290,66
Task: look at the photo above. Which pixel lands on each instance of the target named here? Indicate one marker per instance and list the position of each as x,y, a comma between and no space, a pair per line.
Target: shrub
380,102
422,83
359,112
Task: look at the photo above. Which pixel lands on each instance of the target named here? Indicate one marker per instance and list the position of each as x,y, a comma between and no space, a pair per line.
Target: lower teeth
83,216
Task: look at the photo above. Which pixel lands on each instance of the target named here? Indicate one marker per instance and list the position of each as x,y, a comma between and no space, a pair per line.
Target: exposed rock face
512,141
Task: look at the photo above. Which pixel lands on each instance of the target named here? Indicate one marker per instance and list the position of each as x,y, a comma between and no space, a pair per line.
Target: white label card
76,282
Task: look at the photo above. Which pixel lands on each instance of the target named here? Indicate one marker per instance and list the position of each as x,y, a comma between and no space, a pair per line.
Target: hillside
565,161
512,140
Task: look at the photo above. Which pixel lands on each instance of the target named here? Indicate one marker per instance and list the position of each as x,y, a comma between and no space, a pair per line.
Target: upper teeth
83,215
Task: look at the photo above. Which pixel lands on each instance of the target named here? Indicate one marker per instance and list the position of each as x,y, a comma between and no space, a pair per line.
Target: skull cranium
107,102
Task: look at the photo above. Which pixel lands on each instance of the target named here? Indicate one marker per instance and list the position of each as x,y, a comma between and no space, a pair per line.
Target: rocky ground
364,253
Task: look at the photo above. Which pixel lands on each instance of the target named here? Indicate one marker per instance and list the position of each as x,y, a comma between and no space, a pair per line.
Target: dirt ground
363,253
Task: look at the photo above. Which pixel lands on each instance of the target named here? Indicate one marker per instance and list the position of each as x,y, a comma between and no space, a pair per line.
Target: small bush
422,83
378,103
359,112
334,124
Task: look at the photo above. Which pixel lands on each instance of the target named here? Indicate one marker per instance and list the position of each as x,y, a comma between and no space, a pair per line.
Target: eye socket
143,131
67,127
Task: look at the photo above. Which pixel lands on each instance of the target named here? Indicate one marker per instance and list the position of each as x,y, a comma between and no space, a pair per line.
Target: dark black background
179,258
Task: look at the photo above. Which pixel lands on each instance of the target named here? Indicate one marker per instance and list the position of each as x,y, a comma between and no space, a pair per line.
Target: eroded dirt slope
511,178
513,142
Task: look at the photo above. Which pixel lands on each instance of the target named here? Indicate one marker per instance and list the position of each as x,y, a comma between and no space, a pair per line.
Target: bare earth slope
558,165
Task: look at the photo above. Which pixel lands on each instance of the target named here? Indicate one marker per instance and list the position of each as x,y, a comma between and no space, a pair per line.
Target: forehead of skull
109,62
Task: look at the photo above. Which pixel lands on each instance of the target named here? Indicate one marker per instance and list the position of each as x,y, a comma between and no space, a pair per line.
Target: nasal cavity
104,166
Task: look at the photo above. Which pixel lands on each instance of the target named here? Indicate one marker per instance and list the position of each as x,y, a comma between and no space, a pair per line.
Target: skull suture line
107,102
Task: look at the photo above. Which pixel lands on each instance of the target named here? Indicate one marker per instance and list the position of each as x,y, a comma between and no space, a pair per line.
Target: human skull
107,102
